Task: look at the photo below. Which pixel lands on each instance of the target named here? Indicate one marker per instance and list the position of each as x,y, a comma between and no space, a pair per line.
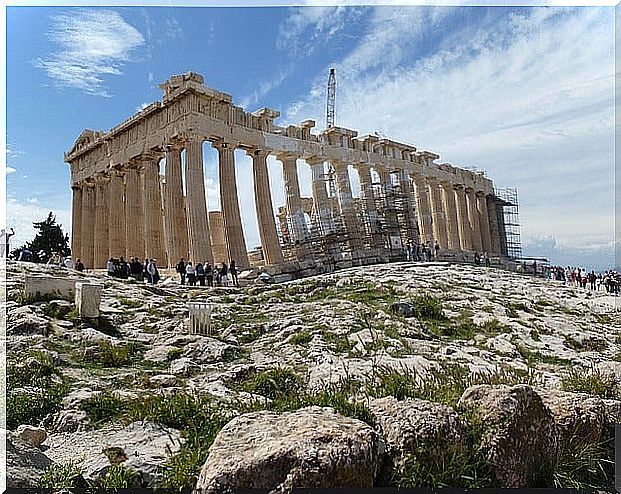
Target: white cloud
141,106
32,200
528,97
10,169
93,44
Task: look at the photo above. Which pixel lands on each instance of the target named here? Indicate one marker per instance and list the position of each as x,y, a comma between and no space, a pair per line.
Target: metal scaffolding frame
509,215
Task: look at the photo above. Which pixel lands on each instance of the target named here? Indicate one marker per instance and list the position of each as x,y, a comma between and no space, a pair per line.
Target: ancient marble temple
123,206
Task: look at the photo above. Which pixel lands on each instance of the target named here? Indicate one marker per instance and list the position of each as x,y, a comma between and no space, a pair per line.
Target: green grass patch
67,476
303,338
128,302
533,357
105,407
119,355
592,382
587,345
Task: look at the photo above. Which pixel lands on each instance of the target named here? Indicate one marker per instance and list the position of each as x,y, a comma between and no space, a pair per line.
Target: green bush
119,477
66,476
580,465
428,308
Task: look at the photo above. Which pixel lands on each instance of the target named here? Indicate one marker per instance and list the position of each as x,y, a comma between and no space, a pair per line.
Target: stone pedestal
87,299
38,287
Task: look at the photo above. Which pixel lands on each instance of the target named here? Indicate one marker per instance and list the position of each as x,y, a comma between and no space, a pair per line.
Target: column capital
459,187
315,160
480,193
286,157
221,144
102,177
258,152
77,186
89,182
469,190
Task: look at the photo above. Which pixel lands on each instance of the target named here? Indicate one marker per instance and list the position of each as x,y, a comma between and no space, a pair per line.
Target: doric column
437,212
368,201
235,241
198,221
346,202
321,205
452,224
408,207
272,252
76,222
175,221
492,212
465,237
134,214
425,220
116,214
486,238
473,218
293,201
153,219
102,247
87,252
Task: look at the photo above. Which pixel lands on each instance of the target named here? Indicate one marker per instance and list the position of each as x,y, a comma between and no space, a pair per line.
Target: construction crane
330,105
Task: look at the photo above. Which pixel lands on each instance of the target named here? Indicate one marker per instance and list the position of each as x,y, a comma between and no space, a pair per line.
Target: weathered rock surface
520,442
31,434
430,431
310,448
24,463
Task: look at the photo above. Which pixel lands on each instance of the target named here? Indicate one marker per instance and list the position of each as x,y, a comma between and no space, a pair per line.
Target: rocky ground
398,374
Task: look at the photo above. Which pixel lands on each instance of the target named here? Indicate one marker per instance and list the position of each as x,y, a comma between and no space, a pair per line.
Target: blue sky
525,94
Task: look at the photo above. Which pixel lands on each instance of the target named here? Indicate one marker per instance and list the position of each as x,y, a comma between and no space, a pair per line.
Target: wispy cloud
521,95
10,169
92,44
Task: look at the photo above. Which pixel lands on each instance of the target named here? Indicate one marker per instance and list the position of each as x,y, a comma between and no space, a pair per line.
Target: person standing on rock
79,265
208,273
191,272
224,275
200,274
110,267
181,270
436,250
233,271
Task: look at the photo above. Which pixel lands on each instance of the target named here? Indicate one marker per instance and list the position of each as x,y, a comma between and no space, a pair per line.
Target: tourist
145,272
436,250
154,275
79,265
68,263
477,258
25,255
216,276
123,268
136,269
200,274
191,272
486,258
110,267
180,267
224,272
264,277
233,271
209,273
410,250
4,242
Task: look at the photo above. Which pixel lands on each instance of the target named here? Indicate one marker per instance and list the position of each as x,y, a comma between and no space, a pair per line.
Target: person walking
191,272
200,274
233,271
181,269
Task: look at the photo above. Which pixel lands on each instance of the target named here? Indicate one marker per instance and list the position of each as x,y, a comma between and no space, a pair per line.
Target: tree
48,241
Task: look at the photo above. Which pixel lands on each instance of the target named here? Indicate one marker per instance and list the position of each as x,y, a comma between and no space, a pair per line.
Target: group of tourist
579,277
206,275
136,269
416,251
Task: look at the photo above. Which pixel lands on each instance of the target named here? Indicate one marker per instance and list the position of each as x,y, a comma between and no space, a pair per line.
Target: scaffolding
509,221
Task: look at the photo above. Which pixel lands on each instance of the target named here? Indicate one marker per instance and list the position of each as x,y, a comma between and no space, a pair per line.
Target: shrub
592,382
428,308
66,476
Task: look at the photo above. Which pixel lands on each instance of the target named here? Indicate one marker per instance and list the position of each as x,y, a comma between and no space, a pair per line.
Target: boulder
159,353
207,350
519,440
66,421
312,447
24,321
431,432
31,434
25,464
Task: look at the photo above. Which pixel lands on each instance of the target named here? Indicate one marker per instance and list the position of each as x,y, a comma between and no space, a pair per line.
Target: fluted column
272,252
494,226
87,252
368,200
346,203
293,201
116,214
412,230
425,220
134,214
102,247
437,213
321,205
235,241
153,219
198,221
76,222
473,218
450,208
465,237
175,220
486,239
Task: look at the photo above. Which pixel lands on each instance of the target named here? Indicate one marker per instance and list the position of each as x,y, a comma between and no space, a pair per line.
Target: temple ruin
122,206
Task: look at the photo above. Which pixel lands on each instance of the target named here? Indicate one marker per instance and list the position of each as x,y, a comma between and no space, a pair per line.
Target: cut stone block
37,287
87,299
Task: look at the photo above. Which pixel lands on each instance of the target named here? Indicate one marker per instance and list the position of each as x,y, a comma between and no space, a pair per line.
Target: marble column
486,238
116,214
76,222
134,213
473,218
153,219
465,237
391,222
425,219
368,201
235,241
293,201
346,202
175,220
412,230
102,246
452,224
272,252
492,213
321,206
437,212
198,221
87,253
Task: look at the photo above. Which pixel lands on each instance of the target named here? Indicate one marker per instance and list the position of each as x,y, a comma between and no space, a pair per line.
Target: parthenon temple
123,206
